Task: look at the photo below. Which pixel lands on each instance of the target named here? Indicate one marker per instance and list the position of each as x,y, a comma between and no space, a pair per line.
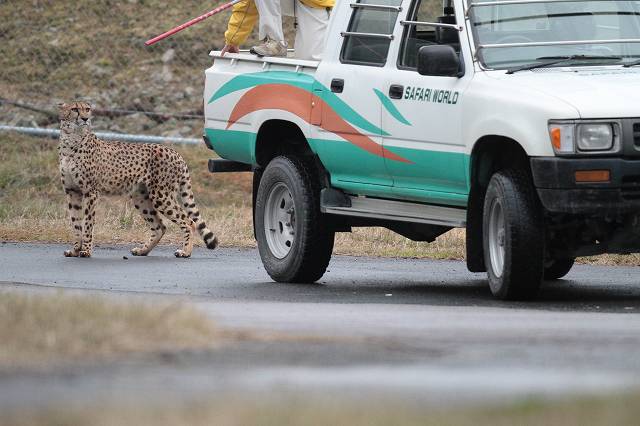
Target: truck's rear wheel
557,268
294,242
513,236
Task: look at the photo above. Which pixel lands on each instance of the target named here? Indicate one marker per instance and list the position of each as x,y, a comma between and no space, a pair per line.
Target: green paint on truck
391,108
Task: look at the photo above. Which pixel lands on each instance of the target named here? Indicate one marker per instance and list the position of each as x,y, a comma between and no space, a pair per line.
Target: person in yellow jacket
312,17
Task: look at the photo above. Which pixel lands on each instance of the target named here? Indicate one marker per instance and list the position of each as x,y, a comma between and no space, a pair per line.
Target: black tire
257,175
520,238
557,268
311,242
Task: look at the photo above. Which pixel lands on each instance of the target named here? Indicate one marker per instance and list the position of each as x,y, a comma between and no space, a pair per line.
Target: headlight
573,137
595,137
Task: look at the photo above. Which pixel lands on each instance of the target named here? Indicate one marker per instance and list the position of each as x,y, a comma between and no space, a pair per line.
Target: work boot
270,47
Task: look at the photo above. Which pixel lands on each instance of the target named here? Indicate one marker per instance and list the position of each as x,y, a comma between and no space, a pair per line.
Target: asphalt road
423,330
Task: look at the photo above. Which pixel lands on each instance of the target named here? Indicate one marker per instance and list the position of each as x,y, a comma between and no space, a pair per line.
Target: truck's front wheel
513,237
294,241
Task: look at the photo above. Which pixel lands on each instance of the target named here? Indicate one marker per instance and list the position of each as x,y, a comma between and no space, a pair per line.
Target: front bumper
554,179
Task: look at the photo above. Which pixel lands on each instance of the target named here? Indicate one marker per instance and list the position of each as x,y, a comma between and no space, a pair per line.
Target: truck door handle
337,85
396,91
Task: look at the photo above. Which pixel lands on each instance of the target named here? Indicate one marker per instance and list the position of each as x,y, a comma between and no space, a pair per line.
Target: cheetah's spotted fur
156,178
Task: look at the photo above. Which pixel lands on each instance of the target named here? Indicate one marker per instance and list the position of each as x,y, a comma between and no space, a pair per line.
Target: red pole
191,22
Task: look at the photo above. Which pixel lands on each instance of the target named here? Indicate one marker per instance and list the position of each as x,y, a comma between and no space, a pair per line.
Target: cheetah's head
75,117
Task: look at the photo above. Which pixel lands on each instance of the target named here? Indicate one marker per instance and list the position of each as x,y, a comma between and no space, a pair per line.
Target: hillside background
53,51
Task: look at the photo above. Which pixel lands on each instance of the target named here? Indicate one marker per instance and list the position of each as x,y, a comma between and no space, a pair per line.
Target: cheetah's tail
186,196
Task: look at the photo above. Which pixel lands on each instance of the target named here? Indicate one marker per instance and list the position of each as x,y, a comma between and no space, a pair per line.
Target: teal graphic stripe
391,108
305,82
233,145
245,81
434,177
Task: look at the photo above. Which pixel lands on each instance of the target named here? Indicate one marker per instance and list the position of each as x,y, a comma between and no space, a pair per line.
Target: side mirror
440,60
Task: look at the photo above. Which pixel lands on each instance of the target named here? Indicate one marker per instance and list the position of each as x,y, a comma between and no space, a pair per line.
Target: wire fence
62,50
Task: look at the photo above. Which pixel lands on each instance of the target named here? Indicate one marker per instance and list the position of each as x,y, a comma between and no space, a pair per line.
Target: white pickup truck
519,120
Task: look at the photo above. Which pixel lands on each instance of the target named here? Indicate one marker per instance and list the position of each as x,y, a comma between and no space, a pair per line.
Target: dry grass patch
382,242
32,208
39,329
615,410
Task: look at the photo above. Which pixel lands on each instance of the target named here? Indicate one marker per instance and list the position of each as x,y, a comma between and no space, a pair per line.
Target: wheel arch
276,137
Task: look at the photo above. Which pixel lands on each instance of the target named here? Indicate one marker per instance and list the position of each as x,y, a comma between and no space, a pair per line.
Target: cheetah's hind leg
166,203
144,205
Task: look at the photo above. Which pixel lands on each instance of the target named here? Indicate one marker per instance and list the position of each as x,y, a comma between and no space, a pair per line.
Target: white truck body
538,85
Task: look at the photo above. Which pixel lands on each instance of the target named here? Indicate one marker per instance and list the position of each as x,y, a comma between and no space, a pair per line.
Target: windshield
537,29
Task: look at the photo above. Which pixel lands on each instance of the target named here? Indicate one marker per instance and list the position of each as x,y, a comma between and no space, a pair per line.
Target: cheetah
155,177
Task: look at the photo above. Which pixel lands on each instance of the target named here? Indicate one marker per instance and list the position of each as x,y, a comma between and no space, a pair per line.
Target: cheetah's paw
182,253
84,253
139,251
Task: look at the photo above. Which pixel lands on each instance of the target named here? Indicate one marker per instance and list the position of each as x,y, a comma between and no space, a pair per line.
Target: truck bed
265,59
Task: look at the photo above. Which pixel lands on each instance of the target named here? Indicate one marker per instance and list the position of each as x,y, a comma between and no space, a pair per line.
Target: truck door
422,114
349,134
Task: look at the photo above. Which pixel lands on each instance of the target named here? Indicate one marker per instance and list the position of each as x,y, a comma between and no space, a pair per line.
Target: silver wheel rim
279,220
496,238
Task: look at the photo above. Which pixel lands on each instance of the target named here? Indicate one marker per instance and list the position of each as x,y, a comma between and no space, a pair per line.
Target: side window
417,35
367,39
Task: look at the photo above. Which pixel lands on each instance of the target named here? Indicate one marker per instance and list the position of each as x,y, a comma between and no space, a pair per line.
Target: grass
45,329
32,208
605,411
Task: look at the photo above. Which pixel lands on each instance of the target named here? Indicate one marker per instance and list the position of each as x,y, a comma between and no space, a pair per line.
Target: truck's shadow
237,274
561,295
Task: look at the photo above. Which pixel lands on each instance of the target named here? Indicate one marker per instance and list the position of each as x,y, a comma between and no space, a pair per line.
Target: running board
224,166
335,202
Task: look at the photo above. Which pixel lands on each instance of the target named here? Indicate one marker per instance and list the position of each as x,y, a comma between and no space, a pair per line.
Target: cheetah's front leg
75,205
89,207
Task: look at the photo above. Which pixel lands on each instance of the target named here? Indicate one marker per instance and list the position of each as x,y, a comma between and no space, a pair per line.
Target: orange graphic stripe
298,102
